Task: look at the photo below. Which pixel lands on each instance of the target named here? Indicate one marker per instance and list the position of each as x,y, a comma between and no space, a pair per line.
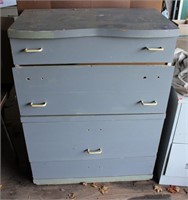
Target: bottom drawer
93,168
178,161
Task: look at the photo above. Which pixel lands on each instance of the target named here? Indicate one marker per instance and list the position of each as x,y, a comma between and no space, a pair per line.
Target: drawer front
79,90
93,168
96,137
181,131
178,161
92,50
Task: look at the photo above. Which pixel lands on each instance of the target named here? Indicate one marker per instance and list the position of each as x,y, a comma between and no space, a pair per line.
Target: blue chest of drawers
92,88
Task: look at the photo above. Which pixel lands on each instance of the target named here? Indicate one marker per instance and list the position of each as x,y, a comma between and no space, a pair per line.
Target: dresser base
91,180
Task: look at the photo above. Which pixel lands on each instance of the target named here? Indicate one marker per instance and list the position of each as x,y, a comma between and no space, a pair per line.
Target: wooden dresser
92,88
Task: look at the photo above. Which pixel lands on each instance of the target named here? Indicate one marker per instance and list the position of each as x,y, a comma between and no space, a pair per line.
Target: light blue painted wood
91,180
92,50
93,168
83,90
90,118
63,140
92,106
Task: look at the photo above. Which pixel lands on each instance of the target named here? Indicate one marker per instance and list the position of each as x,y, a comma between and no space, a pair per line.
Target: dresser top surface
59,21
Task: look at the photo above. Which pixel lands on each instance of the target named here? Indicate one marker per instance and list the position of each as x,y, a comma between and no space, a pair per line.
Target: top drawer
65,36
92,50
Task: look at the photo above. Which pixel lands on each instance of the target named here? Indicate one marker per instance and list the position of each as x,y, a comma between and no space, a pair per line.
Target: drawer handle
38,50
186,166
153,103
38,105
155,48
94,152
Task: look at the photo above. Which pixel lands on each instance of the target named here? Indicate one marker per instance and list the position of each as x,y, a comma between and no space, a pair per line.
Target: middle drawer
92,89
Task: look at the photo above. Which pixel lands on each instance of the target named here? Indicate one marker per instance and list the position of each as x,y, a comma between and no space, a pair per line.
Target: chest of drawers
92,88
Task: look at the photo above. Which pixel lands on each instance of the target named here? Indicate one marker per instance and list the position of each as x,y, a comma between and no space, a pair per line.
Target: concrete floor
16,178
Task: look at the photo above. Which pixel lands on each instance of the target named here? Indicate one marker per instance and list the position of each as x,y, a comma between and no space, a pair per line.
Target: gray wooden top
62,23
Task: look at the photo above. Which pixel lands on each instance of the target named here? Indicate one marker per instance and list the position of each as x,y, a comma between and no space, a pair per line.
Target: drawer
92,36
181,131
93,168
177,165
92,89
92,50
94,137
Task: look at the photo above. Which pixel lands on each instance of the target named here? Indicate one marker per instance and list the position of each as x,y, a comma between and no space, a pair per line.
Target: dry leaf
177,189
103,189
71,196
94,185
158,188
173,189
84,183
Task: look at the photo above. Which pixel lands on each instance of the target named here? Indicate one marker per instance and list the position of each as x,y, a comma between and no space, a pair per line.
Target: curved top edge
64,23
23,34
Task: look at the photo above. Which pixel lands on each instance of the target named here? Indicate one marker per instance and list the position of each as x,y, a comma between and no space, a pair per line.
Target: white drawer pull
155,48
38,105
93,152
38,50
152,103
